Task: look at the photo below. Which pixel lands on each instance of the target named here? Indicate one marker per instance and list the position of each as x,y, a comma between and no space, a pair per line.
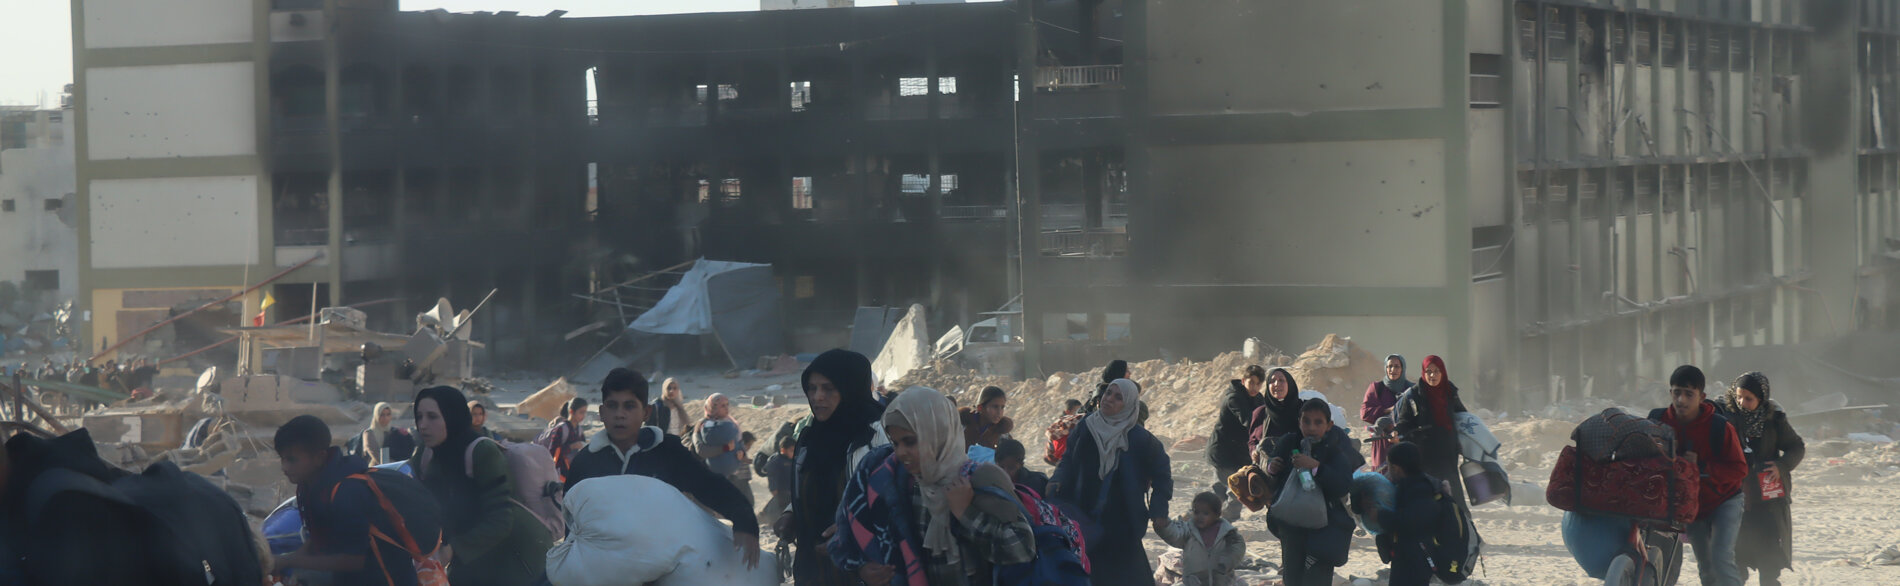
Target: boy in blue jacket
1308,556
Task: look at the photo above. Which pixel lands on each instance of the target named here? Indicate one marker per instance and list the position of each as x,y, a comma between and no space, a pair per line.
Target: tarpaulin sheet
737,301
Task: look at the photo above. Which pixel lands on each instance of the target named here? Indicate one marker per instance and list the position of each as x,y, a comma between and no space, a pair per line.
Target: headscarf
940,459
1751,423
377,432
1396,385
676,421
458,422
708,407
823,448
1437,399
1283,410
1111,431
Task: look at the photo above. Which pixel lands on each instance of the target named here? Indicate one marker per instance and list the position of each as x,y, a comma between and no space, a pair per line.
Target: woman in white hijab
382,442
921,513
1105,474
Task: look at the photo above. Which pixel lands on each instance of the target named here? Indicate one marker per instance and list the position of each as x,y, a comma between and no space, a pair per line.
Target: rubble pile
1182,397
33,322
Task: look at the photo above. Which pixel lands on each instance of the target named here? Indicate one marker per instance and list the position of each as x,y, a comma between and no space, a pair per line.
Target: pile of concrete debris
1182,396
33,322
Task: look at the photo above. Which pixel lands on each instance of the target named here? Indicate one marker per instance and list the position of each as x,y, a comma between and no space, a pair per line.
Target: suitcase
1657,488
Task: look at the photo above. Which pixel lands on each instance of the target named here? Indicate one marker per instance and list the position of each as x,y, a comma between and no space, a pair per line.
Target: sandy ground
1839,524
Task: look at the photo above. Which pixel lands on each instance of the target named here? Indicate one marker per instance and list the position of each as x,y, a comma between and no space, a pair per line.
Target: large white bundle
630,530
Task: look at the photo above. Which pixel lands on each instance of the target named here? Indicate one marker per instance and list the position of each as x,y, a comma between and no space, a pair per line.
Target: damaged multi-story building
1560,196
38,252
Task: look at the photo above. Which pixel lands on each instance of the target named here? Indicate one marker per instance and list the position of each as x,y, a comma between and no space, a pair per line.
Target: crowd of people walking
907,488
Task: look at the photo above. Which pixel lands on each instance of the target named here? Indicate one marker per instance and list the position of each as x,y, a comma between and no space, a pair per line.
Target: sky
36,57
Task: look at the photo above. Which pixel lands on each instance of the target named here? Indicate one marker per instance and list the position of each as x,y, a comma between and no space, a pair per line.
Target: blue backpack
1057,562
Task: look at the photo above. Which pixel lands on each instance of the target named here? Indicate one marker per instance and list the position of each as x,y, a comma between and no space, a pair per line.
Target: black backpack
164,526
1456,549
1717,423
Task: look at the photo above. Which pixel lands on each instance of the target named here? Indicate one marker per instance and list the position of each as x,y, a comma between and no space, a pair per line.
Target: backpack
538,485
1455,548
418,516
1717,423
1062,557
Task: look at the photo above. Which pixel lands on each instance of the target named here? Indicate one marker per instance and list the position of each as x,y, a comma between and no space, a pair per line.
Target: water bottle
1306,476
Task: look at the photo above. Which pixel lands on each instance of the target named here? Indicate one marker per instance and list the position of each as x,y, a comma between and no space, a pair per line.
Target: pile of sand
1182,397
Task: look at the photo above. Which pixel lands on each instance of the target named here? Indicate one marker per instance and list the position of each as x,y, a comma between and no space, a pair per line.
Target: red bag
1657,488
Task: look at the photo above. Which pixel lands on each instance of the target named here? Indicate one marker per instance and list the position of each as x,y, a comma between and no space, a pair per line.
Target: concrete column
1832,110
1028,189
331,105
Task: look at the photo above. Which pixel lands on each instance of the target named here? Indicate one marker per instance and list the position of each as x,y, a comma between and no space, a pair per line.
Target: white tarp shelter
734,301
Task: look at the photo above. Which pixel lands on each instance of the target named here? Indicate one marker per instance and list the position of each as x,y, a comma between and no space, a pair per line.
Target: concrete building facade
1560,196
38,235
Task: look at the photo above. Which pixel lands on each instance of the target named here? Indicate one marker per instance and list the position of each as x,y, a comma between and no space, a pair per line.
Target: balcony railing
1085,243
1078,77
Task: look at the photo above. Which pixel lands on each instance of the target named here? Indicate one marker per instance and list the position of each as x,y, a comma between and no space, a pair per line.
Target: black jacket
662,456
1228,446
1412,419
1410,530
1338,458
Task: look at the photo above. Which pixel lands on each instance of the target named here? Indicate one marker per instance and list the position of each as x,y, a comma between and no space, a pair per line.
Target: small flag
258,322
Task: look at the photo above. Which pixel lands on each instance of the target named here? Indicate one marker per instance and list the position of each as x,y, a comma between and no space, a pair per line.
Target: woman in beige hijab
382,442
965,519
669,411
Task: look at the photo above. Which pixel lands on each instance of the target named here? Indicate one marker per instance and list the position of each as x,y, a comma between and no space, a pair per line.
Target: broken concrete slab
907,348
545,404
596,369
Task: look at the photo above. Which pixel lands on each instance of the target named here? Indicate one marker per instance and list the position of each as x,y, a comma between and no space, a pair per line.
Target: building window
801,95
42,280
920,86
915,184
801,193
727,93
1486,83
54,205
6,205
729,192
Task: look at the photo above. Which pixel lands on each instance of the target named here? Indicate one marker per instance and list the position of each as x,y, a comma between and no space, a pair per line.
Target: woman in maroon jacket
1381,396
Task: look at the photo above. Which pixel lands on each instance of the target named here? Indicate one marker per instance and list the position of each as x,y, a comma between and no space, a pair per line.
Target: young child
1010,456
1408,527
778,478
1210,547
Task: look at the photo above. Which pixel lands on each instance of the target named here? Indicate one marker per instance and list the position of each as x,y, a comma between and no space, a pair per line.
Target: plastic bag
1298,505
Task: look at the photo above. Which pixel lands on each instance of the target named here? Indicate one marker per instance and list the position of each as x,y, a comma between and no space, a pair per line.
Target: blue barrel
283,529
